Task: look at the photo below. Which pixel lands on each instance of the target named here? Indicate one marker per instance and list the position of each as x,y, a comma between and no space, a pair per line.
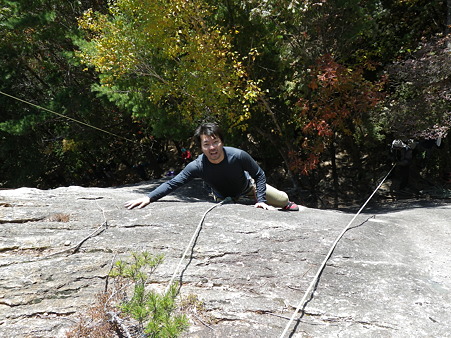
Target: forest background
315,90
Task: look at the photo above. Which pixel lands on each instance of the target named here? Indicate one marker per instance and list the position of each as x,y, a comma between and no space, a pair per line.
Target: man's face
212,147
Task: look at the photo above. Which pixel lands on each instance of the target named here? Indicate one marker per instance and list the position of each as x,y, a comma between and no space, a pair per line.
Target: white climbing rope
196,232
312,284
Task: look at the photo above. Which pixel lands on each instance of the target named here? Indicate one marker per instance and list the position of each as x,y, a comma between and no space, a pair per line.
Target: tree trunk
333,154
448,23
283,152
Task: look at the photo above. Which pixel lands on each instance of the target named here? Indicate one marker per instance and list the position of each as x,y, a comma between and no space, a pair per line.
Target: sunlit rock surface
389,276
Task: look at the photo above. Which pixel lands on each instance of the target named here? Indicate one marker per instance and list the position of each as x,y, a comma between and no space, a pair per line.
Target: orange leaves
339,98
319,127
303,165
313,84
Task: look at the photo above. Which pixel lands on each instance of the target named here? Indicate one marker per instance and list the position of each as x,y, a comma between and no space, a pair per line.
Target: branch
287,145
118,321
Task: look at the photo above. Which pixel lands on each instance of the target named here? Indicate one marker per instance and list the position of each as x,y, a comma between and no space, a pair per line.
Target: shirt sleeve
187,174
257,173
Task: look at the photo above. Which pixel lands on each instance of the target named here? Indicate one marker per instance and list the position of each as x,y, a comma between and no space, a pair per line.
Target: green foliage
418,102
116,312
37,66
20,127
152,70
154,311
165,62
361,36
133,270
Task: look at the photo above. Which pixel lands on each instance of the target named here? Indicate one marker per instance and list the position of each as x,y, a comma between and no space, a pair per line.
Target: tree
419,104
361,37
336,110
167,64
158,68
38,67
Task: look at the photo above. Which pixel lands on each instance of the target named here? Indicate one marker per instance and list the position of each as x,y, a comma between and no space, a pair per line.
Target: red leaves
338,99
319,127
303,166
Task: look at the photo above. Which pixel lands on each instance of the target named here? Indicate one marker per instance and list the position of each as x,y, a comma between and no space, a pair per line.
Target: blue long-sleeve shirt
227,178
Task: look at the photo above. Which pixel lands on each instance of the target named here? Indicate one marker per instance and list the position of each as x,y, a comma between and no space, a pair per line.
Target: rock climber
230,172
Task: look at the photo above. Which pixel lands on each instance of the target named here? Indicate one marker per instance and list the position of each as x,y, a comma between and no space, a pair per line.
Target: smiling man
230,172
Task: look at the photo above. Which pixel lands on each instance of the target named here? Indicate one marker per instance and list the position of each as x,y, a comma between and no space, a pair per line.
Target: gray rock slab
389,276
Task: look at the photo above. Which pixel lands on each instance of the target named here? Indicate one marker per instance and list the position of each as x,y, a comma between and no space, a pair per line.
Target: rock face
390,275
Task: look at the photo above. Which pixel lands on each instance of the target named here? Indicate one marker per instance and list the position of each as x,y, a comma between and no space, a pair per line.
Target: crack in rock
246,266
21,220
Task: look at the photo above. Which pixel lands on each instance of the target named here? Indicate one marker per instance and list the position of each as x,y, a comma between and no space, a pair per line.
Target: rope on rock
196,232
321,268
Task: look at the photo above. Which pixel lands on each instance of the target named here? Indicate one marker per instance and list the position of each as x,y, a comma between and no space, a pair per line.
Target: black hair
209,129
